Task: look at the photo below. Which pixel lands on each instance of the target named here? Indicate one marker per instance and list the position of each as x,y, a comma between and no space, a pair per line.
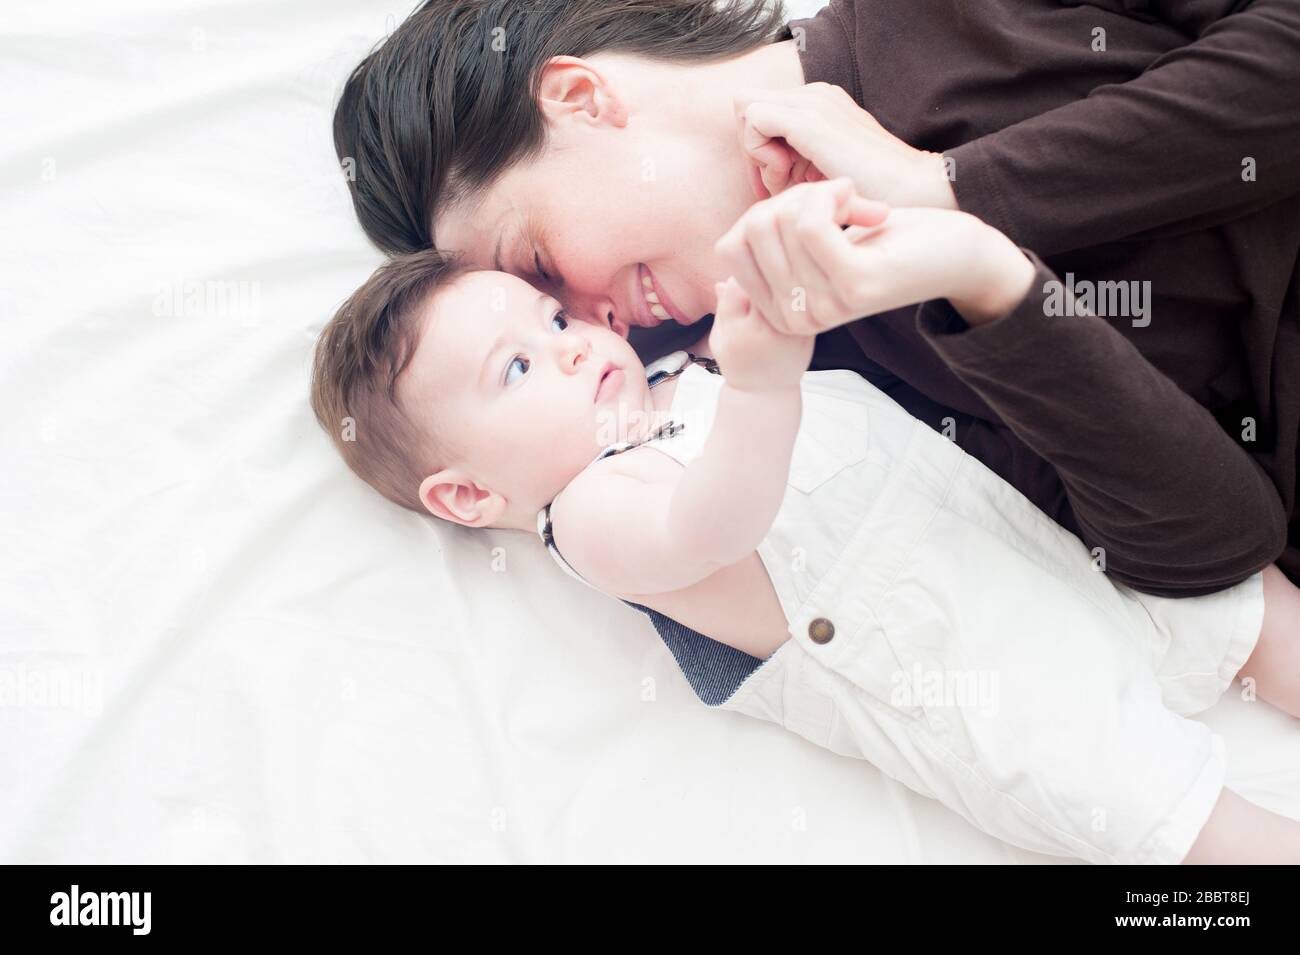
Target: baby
910,607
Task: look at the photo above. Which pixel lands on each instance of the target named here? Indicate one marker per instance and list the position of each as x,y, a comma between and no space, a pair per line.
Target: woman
588,146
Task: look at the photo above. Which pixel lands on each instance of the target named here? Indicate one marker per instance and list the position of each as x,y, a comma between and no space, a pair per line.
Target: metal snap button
821,630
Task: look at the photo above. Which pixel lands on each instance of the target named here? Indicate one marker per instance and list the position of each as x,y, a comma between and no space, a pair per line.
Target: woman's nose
603,311
599,310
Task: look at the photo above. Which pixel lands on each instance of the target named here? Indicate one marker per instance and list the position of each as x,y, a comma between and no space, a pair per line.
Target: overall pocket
832,437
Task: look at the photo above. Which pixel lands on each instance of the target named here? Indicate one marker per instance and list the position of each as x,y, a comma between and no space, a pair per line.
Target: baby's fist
752,355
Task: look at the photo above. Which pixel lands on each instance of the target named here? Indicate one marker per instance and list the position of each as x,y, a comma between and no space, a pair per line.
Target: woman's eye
560,321
518,362
541,272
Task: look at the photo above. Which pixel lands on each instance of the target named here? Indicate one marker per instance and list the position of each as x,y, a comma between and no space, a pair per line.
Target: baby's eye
560,320
520,362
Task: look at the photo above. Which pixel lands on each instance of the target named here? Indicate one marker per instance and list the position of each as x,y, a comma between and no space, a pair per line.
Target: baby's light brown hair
360,355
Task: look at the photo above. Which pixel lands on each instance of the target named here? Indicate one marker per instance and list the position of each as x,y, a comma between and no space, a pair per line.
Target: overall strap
544,529
713,669
673,364
657,372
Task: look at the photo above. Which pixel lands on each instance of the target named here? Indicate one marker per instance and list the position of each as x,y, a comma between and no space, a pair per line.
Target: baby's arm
654,526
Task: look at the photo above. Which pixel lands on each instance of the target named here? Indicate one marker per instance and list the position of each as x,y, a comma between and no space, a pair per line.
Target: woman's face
620,211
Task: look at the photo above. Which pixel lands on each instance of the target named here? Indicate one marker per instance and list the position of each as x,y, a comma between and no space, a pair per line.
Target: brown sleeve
1178,507
1164,151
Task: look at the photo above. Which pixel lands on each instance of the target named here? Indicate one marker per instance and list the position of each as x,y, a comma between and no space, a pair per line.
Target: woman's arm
1150,476
1167,148
1210,132
1178,508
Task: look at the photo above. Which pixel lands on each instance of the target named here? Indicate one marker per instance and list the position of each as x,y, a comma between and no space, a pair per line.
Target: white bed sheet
215,643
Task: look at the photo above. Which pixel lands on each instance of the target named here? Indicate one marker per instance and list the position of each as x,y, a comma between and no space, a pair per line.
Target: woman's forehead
480,227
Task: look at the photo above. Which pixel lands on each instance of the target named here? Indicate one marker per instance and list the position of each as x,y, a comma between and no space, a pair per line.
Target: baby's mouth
611,376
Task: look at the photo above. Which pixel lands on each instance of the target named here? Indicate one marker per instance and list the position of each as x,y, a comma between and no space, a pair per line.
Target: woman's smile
654,305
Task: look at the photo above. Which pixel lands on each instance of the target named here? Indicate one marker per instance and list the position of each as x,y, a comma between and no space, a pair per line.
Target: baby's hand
752,354
807,275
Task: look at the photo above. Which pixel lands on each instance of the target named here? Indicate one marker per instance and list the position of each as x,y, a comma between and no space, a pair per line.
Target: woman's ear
453,496
571,87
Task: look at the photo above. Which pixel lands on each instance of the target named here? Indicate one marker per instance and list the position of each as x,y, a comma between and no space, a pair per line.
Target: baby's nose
574,351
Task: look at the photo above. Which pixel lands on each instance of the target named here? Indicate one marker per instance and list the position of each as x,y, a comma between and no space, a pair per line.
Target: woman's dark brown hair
448,102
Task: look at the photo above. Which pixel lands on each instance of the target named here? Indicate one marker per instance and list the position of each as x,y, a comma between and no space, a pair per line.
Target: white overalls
946,630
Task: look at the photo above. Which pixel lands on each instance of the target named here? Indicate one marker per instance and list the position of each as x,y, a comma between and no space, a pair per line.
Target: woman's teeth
657,310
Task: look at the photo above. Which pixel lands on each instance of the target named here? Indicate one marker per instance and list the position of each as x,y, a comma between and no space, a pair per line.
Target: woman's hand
807,275
814,132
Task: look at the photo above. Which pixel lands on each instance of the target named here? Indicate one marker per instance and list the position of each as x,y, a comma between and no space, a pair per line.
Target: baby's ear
454,496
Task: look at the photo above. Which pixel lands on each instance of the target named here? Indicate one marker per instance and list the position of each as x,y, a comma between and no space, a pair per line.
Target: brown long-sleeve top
1170,156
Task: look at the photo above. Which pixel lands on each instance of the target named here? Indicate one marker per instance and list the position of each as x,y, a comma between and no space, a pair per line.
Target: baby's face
521,395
